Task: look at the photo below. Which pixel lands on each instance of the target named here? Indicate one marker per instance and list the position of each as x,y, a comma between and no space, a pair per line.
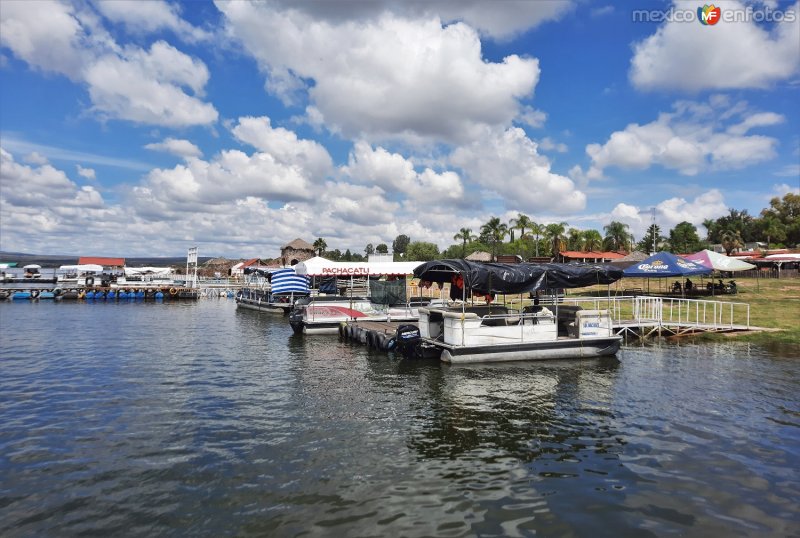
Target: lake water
198,419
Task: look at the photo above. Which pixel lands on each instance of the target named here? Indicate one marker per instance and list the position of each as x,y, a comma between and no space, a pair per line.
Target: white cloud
35,158
507,162
88,173
689,140
790,170
394,173
175,146
783,189
391,77
129,83
42,209
284,145
687,56
46,34
145,87
496,19
763,119
151,16
548,144
707,205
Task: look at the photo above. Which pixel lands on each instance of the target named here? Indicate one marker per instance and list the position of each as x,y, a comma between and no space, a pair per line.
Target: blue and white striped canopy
287,281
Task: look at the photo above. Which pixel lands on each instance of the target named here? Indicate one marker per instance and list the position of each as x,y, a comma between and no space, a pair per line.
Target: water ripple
181,418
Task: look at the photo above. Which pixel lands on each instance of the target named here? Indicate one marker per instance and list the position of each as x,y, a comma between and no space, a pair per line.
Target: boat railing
667,311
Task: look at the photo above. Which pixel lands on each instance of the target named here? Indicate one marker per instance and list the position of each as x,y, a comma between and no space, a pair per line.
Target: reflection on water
147,419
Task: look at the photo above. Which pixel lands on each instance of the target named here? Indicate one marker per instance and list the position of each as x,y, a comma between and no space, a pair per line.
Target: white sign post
191,260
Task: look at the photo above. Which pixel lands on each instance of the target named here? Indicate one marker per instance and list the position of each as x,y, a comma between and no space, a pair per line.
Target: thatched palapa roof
298,244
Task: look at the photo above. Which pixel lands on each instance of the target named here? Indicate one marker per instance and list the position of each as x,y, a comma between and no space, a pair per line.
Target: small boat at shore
492,333
374,291
272,290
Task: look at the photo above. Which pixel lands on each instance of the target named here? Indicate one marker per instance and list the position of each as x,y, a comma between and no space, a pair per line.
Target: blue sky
146,128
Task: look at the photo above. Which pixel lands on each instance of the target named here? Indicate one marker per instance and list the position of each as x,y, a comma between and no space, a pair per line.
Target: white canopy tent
84,268
719,262
149,271
318,266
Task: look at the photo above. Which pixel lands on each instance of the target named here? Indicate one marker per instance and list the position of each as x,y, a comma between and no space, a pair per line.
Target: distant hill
56,260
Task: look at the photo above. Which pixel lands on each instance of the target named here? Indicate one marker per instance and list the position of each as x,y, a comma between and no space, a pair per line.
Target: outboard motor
296,319
407,338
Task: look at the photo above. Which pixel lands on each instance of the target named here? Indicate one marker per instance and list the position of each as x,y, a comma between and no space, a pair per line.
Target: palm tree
465,235
494,231
555,235
710,225
522,222
320,245
617,235
592,240
731,240
574,239
536,231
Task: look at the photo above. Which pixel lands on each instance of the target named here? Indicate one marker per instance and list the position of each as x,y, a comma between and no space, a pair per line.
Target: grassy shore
774,304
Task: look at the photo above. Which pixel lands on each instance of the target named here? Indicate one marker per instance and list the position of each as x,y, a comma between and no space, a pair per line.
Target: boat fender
382,341
90,281
342,328
57,292
34,294
173,291
391,343
372,340
348,332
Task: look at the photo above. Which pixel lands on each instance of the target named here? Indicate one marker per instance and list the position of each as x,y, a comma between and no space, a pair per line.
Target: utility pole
653,227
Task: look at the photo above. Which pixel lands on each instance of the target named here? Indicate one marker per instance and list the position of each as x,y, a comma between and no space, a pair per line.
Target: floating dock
19,293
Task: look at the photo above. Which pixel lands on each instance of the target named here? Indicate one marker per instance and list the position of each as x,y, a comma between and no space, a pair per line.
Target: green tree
574,239
731,239
422,251
369,249
521,223
592,240
617,236
554,234
400,244
383,248
772,228
465,235
537,230
787,211
712,234
347,256
652,241
320,245
493,232
683,238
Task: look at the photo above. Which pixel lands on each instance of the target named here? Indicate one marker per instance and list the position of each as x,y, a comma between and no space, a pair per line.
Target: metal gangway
644,315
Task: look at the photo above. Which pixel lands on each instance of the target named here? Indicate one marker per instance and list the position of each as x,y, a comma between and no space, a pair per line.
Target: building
113,264
573,256
295,252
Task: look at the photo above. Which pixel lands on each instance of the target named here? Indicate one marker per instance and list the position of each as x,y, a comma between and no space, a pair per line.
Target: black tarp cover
518,277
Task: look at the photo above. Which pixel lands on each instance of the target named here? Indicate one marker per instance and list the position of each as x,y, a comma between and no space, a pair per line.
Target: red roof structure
105,262
578,256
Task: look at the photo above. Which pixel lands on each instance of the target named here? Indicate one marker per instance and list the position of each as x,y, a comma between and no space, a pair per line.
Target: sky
145,128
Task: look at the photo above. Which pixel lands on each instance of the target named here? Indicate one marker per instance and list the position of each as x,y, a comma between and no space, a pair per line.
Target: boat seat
493,321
